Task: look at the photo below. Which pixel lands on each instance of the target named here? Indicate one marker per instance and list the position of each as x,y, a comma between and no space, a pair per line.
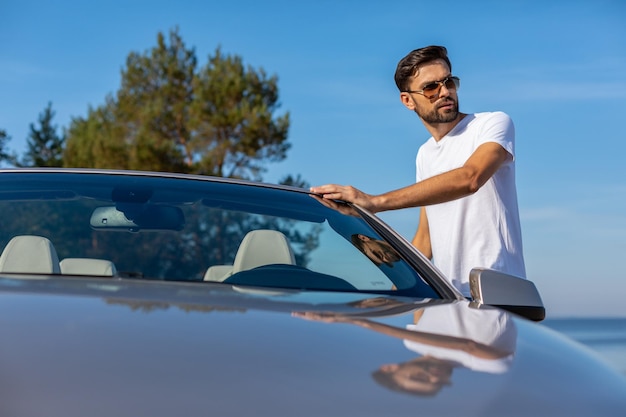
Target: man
445,337
465,176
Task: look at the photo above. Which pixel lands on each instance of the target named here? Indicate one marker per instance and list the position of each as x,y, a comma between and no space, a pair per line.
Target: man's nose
443,91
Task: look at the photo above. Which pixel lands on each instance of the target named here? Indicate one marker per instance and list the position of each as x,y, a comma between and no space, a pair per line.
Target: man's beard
435,116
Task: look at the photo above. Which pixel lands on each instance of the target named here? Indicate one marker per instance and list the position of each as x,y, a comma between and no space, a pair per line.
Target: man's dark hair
408,66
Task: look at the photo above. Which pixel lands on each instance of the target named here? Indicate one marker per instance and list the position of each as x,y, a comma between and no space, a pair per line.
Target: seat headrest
263,247
30,254
88,266
218,273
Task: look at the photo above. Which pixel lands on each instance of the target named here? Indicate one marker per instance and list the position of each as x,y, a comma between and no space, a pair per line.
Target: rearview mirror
139,217
511,293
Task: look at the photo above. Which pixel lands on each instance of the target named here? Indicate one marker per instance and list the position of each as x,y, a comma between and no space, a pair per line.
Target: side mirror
508,292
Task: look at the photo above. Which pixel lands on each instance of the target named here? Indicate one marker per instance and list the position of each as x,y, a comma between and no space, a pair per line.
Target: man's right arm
448,186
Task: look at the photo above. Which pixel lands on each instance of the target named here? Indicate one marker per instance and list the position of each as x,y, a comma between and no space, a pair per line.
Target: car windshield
191,229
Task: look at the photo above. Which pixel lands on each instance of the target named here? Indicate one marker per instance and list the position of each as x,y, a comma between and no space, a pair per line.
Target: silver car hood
103,347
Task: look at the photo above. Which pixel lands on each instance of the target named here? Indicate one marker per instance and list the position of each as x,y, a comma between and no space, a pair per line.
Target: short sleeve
498,127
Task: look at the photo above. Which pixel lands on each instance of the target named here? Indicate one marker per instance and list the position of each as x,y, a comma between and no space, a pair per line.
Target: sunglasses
431,90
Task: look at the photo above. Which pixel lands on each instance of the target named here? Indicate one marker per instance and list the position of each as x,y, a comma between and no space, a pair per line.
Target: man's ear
407,100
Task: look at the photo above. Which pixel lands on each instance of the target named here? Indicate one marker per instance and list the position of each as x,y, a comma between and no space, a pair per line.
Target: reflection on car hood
74,347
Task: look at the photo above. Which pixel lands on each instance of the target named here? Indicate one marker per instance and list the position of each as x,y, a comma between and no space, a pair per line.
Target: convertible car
141,293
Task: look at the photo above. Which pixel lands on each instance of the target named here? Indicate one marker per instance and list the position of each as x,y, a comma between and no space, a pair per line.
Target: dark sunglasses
431,90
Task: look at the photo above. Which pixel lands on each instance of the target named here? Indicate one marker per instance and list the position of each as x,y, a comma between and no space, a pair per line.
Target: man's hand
322,316
340,207
346,193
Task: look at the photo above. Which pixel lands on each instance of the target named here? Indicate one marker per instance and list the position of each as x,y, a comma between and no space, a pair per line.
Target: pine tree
169,116
4,139
44,145
234,130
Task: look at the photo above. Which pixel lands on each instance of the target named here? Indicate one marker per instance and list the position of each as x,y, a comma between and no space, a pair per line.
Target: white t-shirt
491,327
483,229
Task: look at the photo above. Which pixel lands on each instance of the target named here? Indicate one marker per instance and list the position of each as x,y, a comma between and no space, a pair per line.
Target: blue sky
557,67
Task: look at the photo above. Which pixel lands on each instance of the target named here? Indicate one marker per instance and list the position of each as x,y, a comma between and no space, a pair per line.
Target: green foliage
296,181
97,141
44,145
170,116
4,139
233,128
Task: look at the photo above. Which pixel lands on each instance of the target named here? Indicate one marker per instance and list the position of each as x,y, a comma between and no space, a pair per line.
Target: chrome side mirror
508,292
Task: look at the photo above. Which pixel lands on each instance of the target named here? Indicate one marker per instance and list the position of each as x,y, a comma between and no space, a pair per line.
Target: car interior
135,227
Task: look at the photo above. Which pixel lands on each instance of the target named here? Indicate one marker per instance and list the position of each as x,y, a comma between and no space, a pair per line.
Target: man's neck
439,130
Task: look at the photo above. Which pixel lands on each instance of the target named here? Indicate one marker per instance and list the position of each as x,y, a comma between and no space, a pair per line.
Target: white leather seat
218,273
88,266
30,254
258,247
263,247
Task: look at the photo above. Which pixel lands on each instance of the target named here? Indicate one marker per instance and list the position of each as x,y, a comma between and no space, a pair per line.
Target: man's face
421,376
442,107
